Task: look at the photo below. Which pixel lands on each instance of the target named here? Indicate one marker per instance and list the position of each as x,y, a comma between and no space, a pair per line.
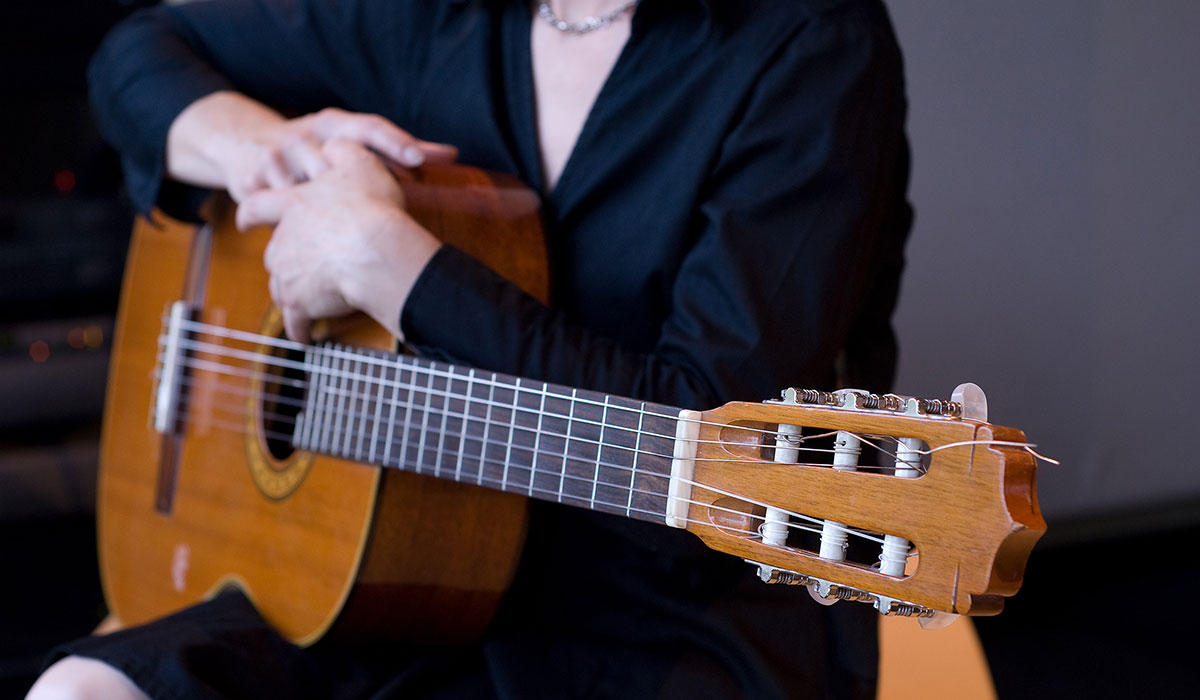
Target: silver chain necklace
589,24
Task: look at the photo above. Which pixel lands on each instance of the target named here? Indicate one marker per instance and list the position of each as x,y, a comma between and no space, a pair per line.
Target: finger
376,133
439,152
296,324
246,185
269,265
264,207
353,157
342,153
304,159
276,173
273,288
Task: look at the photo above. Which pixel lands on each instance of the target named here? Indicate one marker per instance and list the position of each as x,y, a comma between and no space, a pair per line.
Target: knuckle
330,114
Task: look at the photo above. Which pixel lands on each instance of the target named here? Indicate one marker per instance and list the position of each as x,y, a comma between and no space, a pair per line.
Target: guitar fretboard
555,443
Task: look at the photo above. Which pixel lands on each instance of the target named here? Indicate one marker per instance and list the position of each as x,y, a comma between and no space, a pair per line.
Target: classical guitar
347,487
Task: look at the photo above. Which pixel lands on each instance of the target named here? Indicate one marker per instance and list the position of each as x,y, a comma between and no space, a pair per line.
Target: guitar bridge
170,383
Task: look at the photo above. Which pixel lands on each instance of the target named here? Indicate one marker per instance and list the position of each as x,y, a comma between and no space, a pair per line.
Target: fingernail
413,155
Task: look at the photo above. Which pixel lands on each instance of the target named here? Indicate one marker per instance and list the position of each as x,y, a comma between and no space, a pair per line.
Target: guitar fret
654,470
329,397
441,432
462,436
562,478
637,445
310,401
345,406
423,431
356,399
391,429
596,481
312,416
340,394
610,478
537,438
348,384
382,386
580,448
527,418
457,407
331,413
370,402
511,424
487,426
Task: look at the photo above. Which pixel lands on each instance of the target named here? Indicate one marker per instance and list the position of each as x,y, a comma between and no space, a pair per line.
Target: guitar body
318,544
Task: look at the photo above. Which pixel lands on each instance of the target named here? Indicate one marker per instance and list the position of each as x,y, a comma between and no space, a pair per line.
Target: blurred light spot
64,180
76,338
39,351
93,336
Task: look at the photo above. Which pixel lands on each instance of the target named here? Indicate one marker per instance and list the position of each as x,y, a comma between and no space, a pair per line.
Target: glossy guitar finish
353,536
321,541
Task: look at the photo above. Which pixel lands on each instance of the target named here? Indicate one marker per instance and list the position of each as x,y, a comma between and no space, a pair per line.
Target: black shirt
730,223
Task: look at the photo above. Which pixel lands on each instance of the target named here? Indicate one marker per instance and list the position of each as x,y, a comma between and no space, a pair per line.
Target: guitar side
348,548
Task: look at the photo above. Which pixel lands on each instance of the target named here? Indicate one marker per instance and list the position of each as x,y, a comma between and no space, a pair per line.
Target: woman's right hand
227,140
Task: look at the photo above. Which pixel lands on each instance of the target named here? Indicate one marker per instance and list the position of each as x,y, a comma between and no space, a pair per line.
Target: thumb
264,207
296,324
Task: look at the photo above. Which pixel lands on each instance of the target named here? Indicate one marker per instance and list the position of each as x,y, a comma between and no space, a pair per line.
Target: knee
80,678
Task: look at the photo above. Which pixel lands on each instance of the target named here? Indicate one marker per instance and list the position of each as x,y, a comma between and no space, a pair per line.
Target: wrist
382,285
210,136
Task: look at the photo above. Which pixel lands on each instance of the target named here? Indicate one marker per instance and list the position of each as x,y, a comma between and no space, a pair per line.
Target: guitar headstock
943,505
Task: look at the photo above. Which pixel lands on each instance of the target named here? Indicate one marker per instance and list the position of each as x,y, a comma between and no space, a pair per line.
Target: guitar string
367,356
238,411
387,360
495,482
436,469
353,415
449,377
417,370
412,389
398,363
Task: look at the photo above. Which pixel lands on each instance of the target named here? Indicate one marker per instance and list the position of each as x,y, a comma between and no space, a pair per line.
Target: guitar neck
555,443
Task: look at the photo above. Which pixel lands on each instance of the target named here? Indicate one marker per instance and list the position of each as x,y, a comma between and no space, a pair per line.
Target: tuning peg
929,619
827,593
821,599
769,574
938,620
973,400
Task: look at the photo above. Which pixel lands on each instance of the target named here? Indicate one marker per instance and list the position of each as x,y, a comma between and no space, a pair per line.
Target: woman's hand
227,140
342,241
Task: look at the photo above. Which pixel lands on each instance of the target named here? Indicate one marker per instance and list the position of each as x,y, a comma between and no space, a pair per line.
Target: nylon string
398,365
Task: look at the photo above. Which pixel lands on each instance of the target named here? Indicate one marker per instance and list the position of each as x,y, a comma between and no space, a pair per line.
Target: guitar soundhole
282,400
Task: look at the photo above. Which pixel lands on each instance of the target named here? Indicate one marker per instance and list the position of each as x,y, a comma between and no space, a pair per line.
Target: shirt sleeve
802,226
295,56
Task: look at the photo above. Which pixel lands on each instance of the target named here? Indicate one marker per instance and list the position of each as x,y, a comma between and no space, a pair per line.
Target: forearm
461,311
141,78
206,137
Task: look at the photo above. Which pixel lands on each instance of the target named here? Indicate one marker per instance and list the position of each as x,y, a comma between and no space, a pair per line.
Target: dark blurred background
63,230
1053,262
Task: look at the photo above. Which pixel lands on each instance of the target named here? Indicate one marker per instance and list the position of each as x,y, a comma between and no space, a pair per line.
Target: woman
723,196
